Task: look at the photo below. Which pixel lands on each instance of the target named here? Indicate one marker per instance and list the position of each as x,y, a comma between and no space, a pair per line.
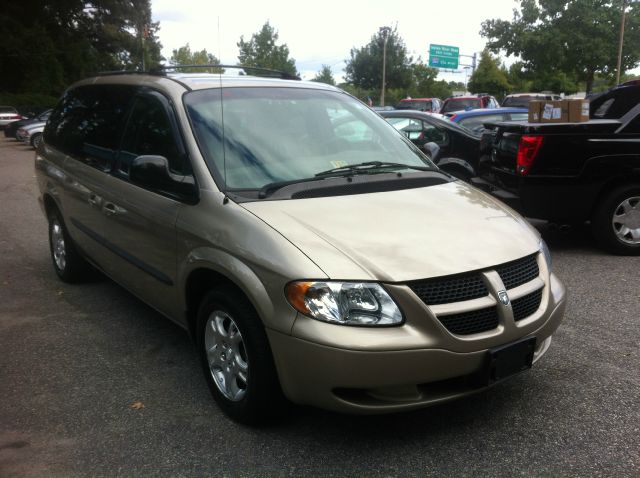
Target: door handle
94,199
111,209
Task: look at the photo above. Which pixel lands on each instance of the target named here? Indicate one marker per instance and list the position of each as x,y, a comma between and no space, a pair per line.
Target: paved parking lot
95,383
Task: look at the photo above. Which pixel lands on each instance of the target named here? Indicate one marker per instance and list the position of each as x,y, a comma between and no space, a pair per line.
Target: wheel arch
198,283
611,185
50,205
208,269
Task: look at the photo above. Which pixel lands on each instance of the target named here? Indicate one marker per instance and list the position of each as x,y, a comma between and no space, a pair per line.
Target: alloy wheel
57,245
626,221
226,355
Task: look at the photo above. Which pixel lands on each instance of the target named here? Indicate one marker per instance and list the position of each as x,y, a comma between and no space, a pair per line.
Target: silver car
8,114
313,253
31,133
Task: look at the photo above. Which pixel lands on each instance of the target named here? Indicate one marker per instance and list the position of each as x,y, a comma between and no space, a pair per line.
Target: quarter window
87,123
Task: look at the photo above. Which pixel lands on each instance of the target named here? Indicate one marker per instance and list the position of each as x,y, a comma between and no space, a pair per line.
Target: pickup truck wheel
616,221
236,358
69,265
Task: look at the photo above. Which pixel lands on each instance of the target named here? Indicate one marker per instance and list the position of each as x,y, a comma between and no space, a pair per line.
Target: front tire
237,359
69,265
616,221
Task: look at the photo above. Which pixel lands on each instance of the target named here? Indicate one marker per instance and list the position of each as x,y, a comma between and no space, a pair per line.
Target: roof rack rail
120,72
162,70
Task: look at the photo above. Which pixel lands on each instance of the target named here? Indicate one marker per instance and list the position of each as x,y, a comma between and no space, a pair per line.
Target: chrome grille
451,289
526,305
516,273
473,322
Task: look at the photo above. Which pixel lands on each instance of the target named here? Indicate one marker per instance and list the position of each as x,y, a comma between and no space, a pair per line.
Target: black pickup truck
571,173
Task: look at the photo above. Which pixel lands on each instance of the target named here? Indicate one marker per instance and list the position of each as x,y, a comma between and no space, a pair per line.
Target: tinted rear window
415,105
89,119
519,101
462,104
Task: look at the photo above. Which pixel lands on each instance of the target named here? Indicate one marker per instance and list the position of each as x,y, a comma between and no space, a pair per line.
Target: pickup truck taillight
527,152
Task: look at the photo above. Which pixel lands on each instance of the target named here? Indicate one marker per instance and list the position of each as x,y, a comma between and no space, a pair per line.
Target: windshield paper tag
339,164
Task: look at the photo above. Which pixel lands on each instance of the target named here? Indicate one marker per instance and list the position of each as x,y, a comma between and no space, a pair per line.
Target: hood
402,235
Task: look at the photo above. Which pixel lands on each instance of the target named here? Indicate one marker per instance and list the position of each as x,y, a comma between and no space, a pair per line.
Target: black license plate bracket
510,359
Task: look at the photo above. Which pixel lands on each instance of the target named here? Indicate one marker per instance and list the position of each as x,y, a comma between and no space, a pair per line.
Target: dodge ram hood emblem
504,298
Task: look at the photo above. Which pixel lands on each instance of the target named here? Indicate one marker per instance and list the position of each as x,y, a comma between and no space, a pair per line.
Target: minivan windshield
255,136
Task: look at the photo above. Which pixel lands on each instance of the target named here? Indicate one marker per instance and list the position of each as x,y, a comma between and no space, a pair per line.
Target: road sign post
444,56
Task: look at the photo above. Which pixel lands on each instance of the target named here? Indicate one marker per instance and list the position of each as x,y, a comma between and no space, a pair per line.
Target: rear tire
69,265
36,139
616,221
236,358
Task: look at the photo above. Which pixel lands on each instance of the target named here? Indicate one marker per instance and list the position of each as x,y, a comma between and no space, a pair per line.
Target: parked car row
28,130
468,102
568,173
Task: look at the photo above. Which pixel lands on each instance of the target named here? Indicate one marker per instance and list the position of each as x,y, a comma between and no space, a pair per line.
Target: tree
325,76
262,51
425,83
567,39
50,43
184,56
489,77
364,68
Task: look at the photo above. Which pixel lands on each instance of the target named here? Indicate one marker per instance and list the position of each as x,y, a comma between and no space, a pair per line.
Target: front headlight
546,253
346,303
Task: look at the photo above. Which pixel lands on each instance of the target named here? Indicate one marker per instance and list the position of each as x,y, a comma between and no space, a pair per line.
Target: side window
149,132
633,127
476,123
86,123
519,116
604,108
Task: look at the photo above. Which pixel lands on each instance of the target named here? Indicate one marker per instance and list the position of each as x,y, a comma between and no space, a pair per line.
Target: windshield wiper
361,168
368,167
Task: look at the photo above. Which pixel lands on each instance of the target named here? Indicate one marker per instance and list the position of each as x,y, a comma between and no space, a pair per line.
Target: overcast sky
324,31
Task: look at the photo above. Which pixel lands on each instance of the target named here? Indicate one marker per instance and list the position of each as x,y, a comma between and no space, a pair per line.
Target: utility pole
384,31
624,8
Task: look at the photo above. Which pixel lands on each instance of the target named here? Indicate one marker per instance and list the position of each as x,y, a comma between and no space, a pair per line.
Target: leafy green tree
364,68
48,44
425,83
184,56
567,40
262,51
325,75
489,77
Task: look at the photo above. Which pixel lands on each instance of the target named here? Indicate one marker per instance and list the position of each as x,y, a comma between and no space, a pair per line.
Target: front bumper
380,370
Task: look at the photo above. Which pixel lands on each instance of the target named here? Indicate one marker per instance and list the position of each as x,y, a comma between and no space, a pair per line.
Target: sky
324,32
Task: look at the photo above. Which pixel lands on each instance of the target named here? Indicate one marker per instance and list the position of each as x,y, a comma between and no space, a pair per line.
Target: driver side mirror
152,172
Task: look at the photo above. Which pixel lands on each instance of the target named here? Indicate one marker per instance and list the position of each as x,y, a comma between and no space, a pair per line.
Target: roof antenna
224,149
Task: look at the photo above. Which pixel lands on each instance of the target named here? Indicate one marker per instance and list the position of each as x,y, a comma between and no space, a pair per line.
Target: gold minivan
313,253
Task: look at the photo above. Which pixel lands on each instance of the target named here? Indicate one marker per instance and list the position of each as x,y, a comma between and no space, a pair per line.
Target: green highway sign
444,56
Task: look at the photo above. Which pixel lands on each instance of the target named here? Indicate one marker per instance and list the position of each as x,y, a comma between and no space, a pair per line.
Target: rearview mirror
152,172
